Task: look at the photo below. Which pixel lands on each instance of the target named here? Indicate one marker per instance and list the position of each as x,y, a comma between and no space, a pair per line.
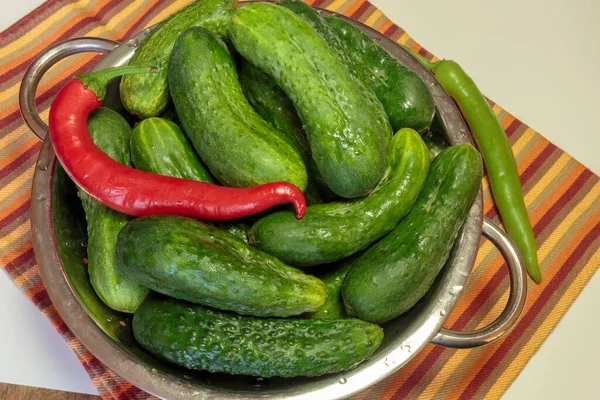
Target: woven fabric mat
562,196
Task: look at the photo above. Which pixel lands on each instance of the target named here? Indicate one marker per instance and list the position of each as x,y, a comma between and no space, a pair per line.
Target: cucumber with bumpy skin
186,259
239,147
346,126
407,100
334,305
396,272
110,132
200,338
160,147
147,95
330,232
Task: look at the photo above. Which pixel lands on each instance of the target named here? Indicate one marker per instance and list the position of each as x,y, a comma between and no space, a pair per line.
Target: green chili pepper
497,155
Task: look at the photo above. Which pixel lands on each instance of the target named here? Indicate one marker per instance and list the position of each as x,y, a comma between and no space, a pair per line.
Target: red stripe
18,212
48,94
481,298
513,127
51,92
317,3
26,19
64,36
528,173
537,163
131,393
531,315
17,162
41,299
390,31
361,10
19,261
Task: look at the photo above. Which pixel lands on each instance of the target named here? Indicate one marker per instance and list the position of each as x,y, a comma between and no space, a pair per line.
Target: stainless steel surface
404,337
42,63
514,306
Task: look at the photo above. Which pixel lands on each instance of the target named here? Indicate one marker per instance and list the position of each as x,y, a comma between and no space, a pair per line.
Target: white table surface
537,58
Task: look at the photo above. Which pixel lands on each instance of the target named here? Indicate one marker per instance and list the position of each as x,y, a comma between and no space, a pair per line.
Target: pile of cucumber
265,93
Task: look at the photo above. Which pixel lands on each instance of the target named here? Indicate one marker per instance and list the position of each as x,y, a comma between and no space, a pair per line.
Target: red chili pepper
140,193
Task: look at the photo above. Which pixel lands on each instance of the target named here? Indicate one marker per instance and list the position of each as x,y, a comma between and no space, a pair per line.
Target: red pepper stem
97,81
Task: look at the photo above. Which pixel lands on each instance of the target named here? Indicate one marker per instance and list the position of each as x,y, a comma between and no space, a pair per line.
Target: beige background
537,59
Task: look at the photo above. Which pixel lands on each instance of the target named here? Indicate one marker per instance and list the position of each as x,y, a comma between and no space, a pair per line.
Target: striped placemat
562,196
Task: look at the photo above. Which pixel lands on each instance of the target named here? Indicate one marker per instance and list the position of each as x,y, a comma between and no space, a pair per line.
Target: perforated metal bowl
59,239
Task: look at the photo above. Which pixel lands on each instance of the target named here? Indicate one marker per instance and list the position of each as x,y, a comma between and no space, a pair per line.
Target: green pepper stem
98,80
426,63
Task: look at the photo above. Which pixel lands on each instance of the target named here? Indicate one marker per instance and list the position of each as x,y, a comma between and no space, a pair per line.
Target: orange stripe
533,294
16,153
16,203
11,255
355,6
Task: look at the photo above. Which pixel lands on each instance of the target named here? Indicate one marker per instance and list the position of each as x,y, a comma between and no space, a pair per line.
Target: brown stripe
391,30
20,160
471,310
358,13
48,94
23,22
530,316
17,262
542,315
513,127
10,218
65,35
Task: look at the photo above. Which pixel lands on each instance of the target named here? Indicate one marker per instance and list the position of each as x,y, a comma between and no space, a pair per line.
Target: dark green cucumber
188,260
160,147
392,275
407,100
334,305
239,147
436,142
273,105
330,232
147,95
111,133
346,126
197,337
314,19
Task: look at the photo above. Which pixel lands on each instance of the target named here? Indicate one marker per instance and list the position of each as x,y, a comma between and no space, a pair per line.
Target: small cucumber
396,272
330,232
110,132
407,100
334,305
160,147
197,337
346,126
273,105
239,147
147,95
188,260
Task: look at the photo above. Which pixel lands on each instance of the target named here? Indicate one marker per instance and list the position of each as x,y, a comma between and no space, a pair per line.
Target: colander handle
42,63
514,306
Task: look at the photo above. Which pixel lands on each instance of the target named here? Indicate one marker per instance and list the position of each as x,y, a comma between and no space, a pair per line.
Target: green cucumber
273,105
330,232
395,273
147,95
239,147
197,337
314,19
346,126
334,305
405,97
160,147
111,133
188,260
